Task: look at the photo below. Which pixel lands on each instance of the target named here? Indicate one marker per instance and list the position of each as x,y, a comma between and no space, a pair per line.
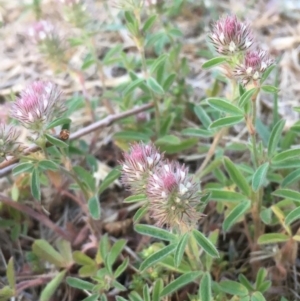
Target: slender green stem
253,134
155,99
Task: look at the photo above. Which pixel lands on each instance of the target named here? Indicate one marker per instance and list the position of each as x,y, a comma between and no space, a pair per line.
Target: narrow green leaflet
224,105
257,296
35,184
228,196
275,137
155,86
226,121
57,142
149,23
48,165
94,207
292,216
288,194
237,177
272,238
169,81
140,213
259,176
269,89
246,97
80,284
168,139
267,73
179,283
133,85
205,287
23,167
10,273
214,62
58,122
202,116
110,178
233,288
180,249
155,232
158,256
197,132
135,198
235,214
286,155
157,289
52,286
205,244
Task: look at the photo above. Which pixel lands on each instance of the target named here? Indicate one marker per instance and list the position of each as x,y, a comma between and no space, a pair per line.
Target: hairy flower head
230,36
173,196
255,64
138,165
41,31
8,141
38,105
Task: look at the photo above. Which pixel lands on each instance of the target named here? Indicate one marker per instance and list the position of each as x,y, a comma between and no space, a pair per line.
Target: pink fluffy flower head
255,64
230,36
41,31
173,196
138,165
8,141
38,105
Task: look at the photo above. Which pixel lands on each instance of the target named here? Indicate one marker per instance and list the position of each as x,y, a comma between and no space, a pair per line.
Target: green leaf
169,81
42,249
157,63
228,196
10,274
115,251
82,259
167,124
205,287
237,177
155,86
179,283
197,133
205,244
135,198
149,23
132,136
168,139
272,238
246,97
23,167
35,184
259,176
94,207
267,73
233,288
226,121
235,215
121,268
6,293
132,86
52,286
287,194
286,155
140,213
275,137
85,177
260,277
157,289
224,106
257,296
182,146
244,281
58,122
158,256
214,62
154,232
202,116
269,89
80,284
180,249
146,293
292,216
48,165
95,298
56,142
110,178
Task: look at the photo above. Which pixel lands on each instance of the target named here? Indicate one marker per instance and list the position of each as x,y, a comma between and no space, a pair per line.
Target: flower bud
255,64
231,36
173,196
38,105
41,31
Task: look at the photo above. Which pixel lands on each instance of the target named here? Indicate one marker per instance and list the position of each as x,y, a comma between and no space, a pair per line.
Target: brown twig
35,215
7,166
